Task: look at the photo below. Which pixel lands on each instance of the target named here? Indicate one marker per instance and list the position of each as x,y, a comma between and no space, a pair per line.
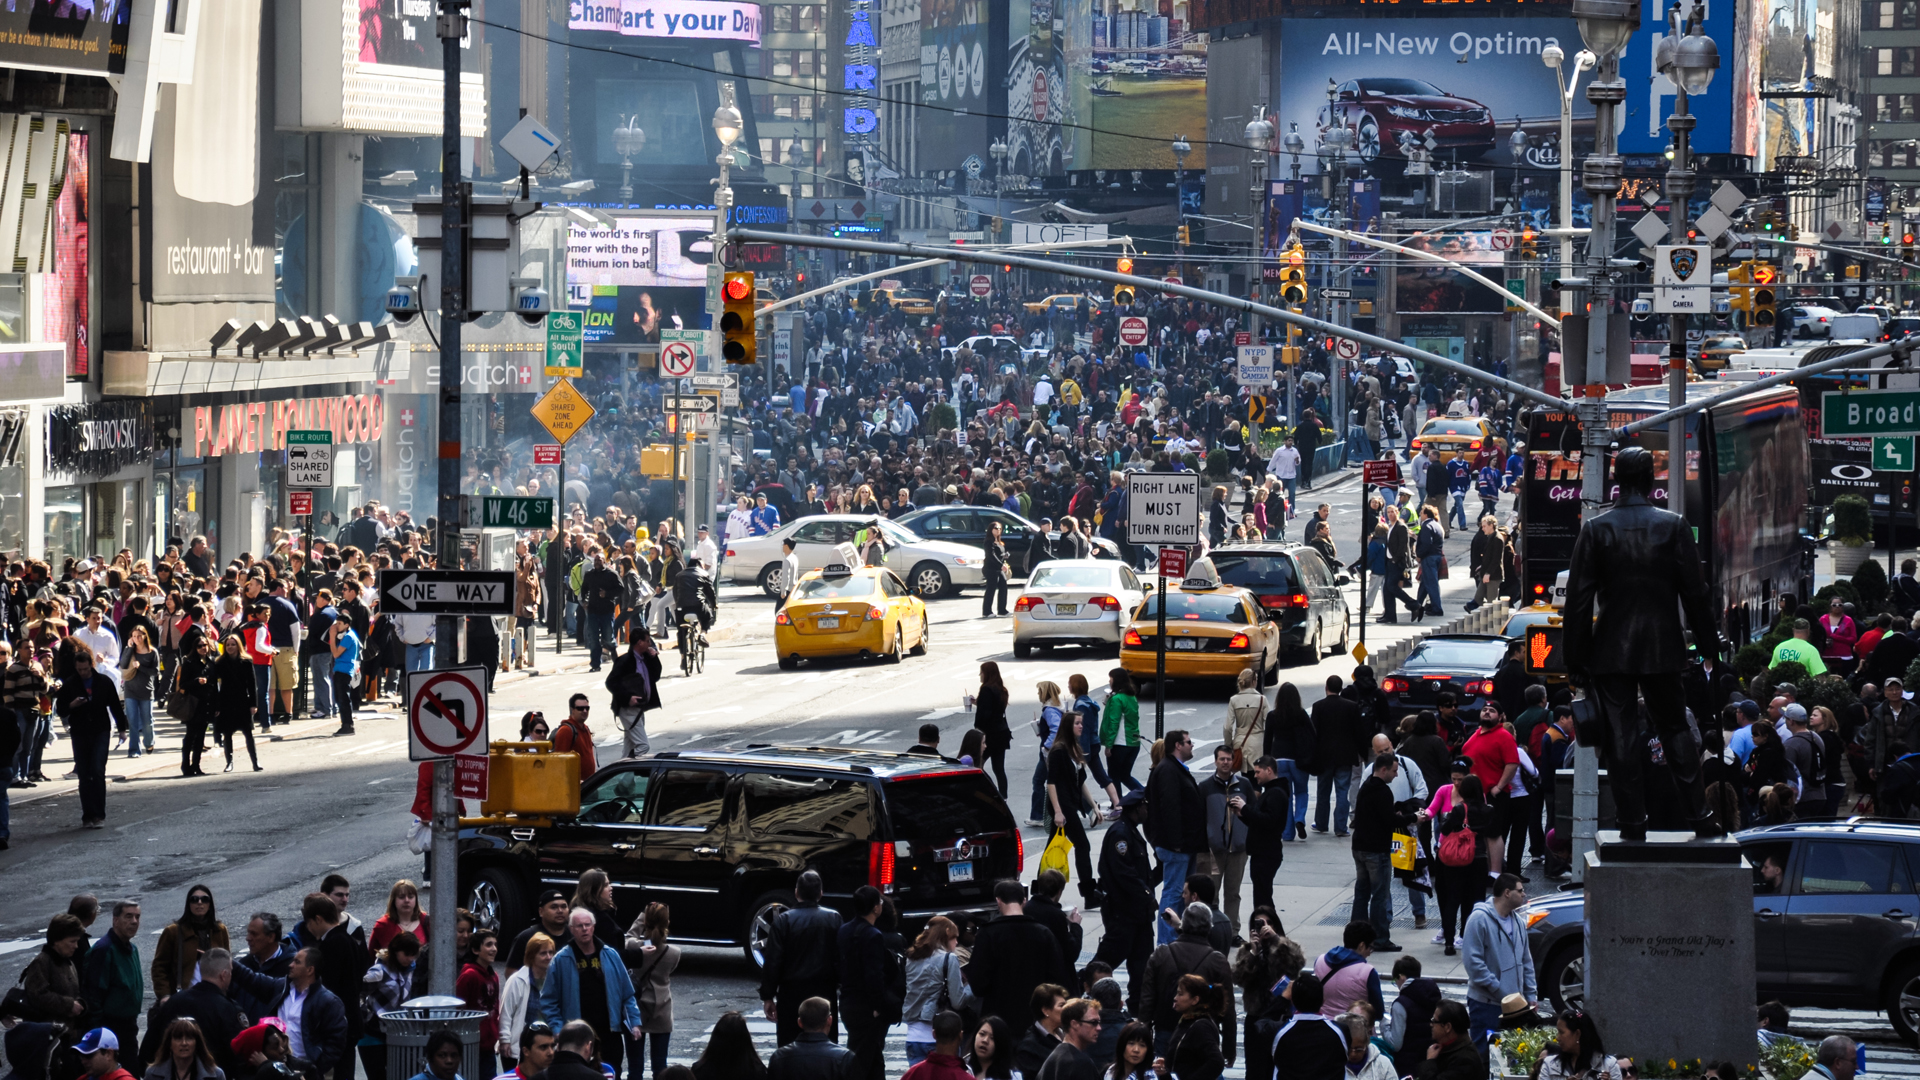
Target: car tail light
730,553
1020,856
1394,686
1479,686
1416,446
1474,445
782,620
1240,643
1026,603
1107,603
880,865
1284,600
1132,638
875,614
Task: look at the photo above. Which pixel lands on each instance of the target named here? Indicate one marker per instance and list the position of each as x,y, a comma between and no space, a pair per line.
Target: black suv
1835,910
721,836
1296,589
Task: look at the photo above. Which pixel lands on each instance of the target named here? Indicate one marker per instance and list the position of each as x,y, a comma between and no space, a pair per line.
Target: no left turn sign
676,359
1346,349
446,713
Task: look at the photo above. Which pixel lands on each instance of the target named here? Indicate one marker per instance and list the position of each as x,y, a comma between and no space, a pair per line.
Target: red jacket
257,640
572,737
938,1067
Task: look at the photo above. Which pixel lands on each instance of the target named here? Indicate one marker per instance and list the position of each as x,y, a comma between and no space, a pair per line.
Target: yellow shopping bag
1058,855
1405,851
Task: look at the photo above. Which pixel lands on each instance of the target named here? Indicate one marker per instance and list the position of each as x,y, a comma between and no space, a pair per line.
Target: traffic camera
736,319
530,301
403,300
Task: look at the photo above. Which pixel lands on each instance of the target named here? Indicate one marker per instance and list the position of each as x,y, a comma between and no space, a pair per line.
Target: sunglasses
199,899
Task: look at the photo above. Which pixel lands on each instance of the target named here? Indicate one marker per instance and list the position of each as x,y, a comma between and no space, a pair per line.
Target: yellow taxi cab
1214,631
1455,436
1064,302
913,301
843,609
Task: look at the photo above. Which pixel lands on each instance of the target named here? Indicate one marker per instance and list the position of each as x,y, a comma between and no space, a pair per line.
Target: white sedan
1075,602
930,567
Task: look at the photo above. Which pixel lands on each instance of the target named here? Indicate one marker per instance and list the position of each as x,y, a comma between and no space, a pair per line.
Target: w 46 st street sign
1860,413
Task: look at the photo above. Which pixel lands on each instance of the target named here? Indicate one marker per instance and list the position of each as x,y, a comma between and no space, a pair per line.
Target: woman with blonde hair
650,965
934,983
520,993
403,915
1047,725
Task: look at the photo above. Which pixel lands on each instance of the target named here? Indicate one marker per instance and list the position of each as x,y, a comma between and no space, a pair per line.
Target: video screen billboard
639,276
87,37
1126,82
962,79
1423,286
1464,82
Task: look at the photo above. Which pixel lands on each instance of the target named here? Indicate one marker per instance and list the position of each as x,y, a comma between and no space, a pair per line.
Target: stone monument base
1670,955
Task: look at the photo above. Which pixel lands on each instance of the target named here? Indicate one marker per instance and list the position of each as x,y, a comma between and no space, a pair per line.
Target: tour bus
1745,495
1836,466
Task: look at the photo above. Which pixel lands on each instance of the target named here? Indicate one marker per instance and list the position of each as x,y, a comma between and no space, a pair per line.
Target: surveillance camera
1642,307
403,300
530,301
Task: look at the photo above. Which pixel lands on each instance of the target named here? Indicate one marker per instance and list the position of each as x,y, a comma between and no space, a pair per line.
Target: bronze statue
1635,570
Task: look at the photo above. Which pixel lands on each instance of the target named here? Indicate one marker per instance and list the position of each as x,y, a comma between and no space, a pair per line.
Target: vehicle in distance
843,610
723,835
1901,325
1715,351
913,301
1296,589
1064,302
1534,615
1457,435
1075,602
1808,320
968,525
1459,664
993,348
1835,911
929,567
1214,631
1378,110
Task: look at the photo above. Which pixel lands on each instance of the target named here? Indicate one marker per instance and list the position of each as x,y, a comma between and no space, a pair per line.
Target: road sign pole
1366,536
1160,667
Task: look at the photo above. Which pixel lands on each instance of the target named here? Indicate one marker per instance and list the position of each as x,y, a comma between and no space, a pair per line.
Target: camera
530,301
403,300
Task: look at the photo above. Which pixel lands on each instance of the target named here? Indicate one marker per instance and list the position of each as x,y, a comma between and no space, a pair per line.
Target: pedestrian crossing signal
1544,653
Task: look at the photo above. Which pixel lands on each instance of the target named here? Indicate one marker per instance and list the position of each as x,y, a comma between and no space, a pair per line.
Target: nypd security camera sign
1682,278
1163,508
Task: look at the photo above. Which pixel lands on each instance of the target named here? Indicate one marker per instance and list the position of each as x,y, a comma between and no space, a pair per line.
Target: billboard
1650,95
638,276
684,20
1464,83
1430,288
86,37
962,79
1091,86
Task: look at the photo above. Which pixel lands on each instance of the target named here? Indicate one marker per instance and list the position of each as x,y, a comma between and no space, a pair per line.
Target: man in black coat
1266,815
324,1038
573,1054
1044,908
343,962
1011,955
1637,567
205,1002
1451,1056
1399,561
1040,545
867,1000
801,960
1340,738
1310,1046
813,1055
1127,912
1176,821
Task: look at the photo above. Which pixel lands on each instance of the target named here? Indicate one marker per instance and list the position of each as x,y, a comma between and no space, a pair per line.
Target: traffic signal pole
1679,190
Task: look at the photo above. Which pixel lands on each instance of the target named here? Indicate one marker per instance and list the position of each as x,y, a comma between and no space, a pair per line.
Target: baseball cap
1795,712
1749,707
550,896
97,1040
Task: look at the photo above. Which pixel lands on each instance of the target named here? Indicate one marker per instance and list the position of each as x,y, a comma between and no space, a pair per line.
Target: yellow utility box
530,780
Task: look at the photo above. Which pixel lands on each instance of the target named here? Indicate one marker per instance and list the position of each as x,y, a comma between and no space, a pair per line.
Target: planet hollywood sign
256,426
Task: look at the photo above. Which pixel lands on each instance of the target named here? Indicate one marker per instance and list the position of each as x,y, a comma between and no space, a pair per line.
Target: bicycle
693,645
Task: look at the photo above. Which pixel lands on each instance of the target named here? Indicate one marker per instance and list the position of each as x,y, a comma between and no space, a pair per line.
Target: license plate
1185,643
960,871
827,624
1066,609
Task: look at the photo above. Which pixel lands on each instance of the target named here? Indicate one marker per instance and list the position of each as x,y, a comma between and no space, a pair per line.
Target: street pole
451,26
1366,535
1259,135
1679,190
1160,664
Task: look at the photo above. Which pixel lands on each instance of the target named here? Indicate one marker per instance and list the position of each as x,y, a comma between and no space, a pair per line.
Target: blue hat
97,1040
1749,707
1133,798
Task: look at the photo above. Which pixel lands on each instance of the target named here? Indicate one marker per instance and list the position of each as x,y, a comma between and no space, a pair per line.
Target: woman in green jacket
1120,728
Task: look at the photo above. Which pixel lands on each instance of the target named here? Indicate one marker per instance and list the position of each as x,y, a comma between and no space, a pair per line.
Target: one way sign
446,592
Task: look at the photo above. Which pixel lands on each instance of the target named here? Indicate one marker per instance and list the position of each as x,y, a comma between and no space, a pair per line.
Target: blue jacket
1498,960
1459,474
323,1016
560,994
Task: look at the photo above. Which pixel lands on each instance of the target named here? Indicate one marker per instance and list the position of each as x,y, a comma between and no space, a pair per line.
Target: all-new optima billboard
689,19
1464,83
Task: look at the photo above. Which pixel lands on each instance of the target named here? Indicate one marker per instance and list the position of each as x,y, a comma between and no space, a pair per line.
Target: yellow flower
1672,1064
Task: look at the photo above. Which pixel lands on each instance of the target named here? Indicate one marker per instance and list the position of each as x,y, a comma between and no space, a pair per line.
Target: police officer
1127,911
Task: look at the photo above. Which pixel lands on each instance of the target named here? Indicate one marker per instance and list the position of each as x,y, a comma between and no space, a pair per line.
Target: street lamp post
1294,145
727,125
1689,61
1259,137
1181,148
628,139
1553,58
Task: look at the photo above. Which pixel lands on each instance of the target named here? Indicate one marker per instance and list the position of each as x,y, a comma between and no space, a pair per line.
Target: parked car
1836,921
723,835
968,525
1379,109
1075,602
1296,589
1460,664
930,568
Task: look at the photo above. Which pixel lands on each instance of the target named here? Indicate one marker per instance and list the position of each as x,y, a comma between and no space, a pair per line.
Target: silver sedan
1075,602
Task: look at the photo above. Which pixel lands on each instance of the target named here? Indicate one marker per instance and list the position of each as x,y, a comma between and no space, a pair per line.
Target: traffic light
1124,266
1762,313
1740,299
1289,355
1123,295
1906,246
1186,235
736,322
1544,654
1886,235
1293,279
1529,243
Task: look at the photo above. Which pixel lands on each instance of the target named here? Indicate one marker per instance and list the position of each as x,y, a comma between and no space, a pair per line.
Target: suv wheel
498,898
760,925
770,580
1903,1002
929,580
1565,977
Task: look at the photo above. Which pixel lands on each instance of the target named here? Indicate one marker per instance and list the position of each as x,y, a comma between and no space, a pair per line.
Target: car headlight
1533,916
1405,112
962,560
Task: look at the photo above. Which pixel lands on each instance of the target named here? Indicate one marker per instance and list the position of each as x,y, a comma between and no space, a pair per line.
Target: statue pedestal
1670,954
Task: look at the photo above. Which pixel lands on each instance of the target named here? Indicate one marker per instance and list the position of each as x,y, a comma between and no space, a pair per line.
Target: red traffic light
737,288
1906,238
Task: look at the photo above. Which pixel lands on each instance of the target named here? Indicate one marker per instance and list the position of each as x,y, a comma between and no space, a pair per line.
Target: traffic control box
528,779
656,461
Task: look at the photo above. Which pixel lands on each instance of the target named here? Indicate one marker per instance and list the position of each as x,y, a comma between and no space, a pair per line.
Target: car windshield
939,809
1071,577
1520,622
897,535
1463,655
1199,607
1451,427
1256,571
834,588
1401,86
912,294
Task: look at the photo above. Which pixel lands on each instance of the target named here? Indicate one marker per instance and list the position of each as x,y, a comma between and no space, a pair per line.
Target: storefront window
66,514
190,509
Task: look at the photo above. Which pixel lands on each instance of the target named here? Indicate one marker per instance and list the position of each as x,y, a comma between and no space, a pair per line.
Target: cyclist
694,594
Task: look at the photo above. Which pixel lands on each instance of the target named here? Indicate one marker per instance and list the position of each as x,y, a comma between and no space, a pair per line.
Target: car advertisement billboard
638,276
1458,86
962,79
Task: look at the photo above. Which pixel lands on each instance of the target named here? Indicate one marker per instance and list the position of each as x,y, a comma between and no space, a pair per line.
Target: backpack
1819,771
1458,848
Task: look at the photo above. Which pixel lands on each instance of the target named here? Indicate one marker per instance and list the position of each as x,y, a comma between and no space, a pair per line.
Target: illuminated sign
860,118
686,19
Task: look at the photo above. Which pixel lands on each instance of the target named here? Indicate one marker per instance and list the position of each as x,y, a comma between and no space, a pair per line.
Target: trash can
409,1027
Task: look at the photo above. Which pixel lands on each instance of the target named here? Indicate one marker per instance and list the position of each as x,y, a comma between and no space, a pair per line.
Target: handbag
1458,848
1443,568
181,705
1405,852
16,1004
1239,750
1058,855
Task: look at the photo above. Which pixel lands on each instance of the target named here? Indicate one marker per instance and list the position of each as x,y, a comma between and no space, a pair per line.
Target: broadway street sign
1860,413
